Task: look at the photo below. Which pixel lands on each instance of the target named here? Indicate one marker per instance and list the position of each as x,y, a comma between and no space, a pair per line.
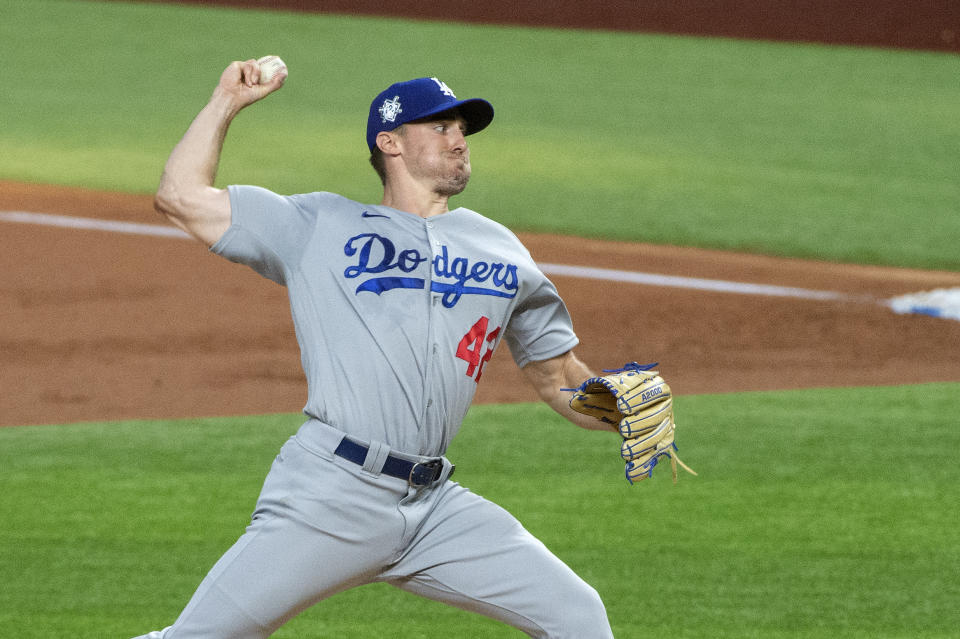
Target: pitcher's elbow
165,200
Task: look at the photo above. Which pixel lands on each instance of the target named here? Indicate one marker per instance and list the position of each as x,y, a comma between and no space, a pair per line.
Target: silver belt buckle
425,474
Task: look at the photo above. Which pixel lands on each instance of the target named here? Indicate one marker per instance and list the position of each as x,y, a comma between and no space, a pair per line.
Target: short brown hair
376,161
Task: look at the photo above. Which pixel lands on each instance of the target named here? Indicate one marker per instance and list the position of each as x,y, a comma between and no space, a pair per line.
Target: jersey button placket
434,366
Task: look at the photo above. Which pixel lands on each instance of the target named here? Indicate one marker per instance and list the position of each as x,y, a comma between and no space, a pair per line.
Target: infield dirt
100,325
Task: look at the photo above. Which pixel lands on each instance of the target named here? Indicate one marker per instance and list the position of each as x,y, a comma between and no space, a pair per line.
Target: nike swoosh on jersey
369,214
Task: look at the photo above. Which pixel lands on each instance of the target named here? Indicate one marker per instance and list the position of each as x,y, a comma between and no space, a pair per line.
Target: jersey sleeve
540,327
268,232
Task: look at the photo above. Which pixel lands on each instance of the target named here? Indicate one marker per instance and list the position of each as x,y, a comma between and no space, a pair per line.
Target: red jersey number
472,345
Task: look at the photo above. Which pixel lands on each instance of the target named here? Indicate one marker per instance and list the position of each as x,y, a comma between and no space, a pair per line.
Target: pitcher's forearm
193,163
549,378
186,194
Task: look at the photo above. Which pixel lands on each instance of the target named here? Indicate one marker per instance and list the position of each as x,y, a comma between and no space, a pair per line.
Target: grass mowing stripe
805,150
817,513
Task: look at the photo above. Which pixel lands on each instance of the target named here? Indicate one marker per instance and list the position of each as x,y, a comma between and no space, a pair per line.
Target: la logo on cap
390,109
444,88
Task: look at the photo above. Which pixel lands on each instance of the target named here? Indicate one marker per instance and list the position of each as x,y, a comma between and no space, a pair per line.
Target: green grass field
827,152
819,513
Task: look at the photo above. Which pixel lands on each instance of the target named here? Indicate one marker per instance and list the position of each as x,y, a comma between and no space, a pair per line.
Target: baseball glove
637,401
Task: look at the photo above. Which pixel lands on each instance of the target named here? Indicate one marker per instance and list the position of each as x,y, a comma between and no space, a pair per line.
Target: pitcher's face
436,152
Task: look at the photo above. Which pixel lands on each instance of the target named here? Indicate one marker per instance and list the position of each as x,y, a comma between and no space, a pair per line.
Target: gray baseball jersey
396,315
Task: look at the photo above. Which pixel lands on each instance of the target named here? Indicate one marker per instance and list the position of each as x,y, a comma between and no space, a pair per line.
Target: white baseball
269,66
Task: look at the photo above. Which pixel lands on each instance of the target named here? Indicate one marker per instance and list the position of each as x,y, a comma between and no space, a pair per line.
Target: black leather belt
414,473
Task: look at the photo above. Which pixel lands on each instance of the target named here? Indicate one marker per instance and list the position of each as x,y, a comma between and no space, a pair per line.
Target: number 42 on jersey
473,344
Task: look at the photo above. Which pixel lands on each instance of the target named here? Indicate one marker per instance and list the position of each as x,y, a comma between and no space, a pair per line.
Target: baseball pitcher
398,306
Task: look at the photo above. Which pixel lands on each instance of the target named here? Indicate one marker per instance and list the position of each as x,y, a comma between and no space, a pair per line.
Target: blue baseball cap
404,102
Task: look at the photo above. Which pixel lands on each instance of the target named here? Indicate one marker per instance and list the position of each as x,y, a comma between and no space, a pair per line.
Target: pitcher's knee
582,616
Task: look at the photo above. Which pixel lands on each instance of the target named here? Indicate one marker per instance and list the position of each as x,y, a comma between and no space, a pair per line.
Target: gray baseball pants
324,524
